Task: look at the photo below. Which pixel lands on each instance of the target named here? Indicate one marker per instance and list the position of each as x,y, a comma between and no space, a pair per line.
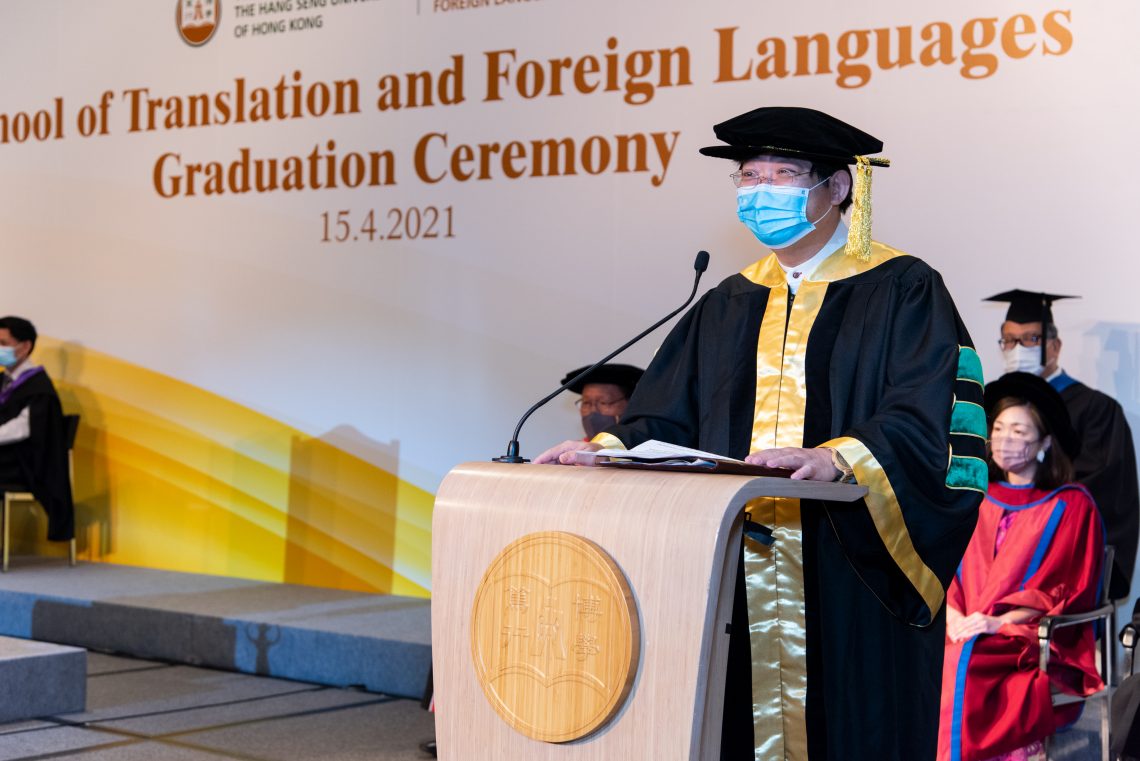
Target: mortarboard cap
625,376
1029,306
805,133
788,131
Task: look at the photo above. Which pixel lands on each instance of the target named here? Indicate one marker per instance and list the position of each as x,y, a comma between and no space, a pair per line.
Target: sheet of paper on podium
661,455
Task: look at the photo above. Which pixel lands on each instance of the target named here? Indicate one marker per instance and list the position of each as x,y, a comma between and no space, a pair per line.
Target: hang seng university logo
198,20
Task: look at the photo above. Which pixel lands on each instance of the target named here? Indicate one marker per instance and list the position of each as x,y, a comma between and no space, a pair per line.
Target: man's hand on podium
563,454
808,464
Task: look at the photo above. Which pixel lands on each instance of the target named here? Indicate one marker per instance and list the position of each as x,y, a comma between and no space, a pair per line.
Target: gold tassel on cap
859,234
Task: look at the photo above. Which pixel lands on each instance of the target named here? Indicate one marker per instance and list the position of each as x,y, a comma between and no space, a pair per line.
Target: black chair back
70,428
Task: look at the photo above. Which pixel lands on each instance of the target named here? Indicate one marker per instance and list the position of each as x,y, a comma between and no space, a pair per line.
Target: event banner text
975,48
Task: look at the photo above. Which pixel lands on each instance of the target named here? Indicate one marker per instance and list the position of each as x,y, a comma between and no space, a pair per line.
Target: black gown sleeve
700,389
663,405
1106,466
918,445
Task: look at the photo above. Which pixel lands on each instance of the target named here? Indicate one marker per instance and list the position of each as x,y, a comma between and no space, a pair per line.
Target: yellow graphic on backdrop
170,476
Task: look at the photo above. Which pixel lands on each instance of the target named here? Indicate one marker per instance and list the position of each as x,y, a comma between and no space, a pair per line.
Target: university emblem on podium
554,636
198,20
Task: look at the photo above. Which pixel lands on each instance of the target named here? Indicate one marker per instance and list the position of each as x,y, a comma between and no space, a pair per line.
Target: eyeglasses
586,406
750,179
1029,341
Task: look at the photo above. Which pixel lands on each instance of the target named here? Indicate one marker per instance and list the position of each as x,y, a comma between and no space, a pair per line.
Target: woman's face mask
1012,454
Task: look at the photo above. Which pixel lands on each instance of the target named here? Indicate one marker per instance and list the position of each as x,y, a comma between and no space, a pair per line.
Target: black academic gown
890,378
41,459
1107,467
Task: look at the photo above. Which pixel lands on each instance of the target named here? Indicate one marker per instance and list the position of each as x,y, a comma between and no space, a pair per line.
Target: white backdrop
1018,175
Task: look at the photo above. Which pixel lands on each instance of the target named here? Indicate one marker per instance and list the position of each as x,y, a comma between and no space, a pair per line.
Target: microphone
700,264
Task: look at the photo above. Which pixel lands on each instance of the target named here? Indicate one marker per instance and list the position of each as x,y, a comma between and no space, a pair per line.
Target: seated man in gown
604,396
33,436
1037,550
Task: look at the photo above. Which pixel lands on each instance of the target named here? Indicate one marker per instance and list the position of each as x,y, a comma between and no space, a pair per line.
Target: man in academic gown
33,438
839,358
604,394
1106,464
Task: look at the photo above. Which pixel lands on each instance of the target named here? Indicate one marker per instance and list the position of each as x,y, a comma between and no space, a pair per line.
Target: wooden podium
675,539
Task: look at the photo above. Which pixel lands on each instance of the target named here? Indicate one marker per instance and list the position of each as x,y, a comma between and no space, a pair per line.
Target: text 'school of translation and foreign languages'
637,74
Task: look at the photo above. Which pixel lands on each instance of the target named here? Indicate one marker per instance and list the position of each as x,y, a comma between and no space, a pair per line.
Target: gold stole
773,575
774,579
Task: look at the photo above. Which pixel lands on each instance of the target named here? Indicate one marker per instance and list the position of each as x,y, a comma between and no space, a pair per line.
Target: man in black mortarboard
33,441
840,358
604,396
1106,463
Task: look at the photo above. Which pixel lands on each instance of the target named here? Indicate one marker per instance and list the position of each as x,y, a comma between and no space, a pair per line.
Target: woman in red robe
1037,550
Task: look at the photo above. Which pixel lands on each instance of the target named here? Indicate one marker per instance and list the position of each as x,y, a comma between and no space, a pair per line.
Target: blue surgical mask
7,357
776,214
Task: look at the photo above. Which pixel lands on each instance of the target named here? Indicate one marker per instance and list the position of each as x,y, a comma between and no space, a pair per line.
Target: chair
1104,615
71,426
1129,638
1126,699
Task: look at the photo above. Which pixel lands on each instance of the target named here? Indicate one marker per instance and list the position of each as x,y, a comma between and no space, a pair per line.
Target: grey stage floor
289,631
149,711
155,711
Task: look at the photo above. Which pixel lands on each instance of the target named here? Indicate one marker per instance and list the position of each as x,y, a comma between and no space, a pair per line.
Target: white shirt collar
799,273
21,369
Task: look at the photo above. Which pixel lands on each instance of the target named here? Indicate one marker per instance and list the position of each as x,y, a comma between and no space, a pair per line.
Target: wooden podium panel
555,636
670,534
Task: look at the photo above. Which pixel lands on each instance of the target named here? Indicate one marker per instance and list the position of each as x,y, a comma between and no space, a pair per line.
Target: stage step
40,679
327,636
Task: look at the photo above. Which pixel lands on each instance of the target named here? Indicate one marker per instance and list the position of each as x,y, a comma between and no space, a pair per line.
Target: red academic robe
994,697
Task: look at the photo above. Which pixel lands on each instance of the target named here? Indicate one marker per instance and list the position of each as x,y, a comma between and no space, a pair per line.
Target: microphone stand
700,264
